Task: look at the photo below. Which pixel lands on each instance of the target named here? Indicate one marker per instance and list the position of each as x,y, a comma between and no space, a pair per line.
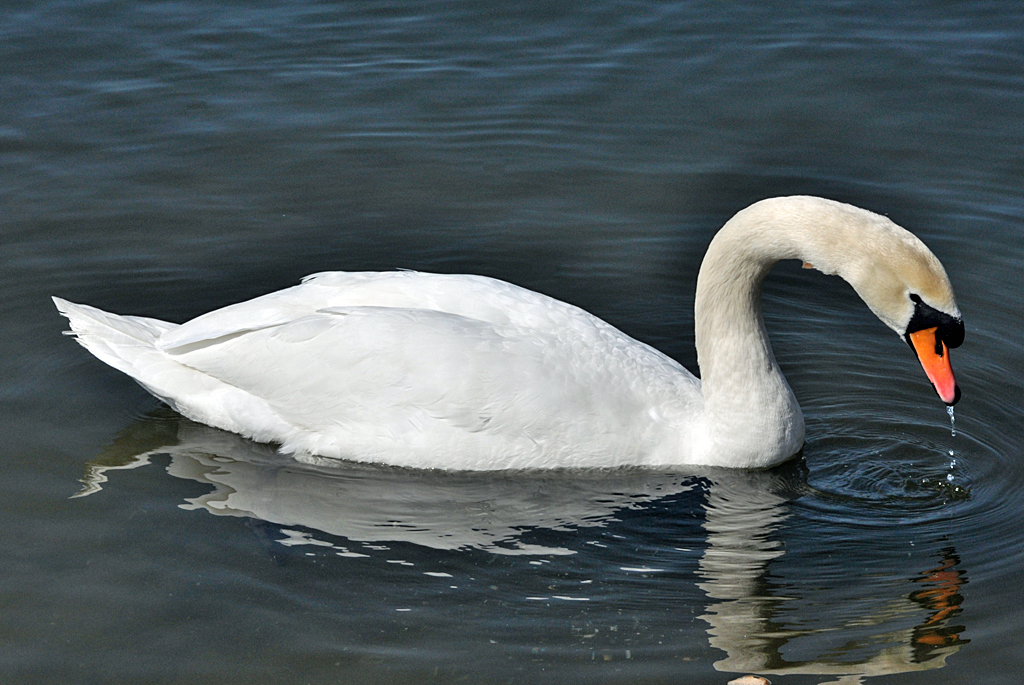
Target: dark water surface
166,158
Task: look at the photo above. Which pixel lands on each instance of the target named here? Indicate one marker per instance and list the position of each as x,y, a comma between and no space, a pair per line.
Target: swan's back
474,297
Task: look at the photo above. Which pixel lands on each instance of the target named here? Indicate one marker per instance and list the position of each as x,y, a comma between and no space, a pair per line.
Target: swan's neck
752,416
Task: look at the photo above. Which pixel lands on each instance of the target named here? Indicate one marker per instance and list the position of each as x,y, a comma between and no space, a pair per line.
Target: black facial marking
949,330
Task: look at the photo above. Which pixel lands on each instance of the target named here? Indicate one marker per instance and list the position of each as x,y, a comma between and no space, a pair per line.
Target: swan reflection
744,512
747,620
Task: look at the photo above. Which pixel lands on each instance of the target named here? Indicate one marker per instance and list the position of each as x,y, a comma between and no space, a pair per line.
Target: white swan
467,372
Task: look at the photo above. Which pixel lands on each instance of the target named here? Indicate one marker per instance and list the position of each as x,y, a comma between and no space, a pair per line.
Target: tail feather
86,320
129,344
120,341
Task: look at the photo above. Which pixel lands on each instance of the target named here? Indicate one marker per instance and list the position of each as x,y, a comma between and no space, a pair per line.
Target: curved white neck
750,410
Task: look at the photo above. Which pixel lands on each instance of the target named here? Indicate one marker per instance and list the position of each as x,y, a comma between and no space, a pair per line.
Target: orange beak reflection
934,357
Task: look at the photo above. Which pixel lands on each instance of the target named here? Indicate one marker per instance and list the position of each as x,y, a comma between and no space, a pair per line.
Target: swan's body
467,372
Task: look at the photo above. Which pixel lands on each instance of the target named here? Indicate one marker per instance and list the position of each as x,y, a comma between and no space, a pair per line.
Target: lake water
167,158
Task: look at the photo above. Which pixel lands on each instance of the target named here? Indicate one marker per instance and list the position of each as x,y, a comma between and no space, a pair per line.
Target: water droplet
952,421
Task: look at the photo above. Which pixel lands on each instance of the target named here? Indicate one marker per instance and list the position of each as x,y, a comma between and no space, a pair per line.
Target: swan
471,373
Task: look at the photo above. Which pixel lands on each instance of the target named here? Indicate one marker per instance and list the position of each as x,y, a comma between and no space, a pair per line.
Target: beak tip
933,354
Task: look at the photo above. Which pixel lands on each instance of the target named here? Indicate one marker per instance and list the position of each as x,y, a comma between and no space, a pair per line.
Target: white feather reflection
368,503
744,513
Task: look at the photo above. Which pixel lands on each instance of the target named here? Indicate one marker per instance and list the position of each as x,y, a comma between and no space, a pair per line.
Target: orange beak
934,357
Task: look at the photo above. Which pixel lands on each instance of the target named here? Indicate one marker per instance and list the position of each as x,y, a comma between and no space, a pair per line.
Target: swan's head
906,286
